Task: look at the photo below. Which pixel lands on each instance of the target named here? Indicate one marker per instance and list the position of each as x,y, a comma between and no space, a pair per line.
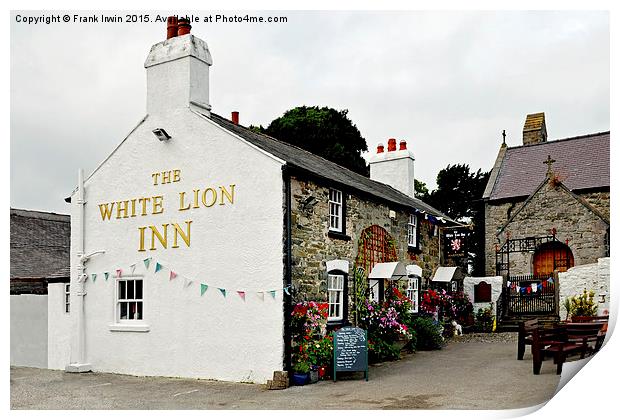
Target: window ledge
338,235
130,327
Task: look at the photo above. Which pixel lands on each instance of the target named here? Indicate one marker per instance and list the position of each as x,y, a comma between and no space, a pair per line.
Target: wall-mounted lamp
161,134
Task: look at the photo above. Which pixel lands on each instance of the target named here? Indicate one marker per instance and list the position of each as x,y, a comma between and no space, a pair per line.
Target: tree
459,195
421,190
325,132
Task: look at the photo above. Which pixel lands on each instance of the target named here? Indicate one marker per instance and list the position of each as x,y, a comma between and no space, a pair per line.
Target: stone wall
312,246
594,277
551,207
599,200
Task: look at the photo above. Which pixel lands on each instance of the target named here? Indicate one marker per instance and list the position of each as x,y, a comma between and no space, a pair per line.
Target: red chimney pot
403,145
235,117
391,145
184,27
172,27
380,148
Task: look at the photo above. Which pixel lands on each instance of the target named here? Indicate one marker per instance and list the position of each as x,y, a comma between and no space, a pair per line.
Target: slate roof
318,166
40,244
581,163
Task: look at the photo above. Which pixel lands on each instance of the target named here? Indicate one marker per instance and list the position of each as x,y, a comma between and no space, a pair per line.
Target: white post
80,365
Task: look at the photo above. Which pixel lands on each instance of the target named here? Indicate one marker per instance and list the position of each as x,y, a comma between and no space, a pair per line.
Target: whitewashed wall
496,290
593,277
237,247
59,327
29,330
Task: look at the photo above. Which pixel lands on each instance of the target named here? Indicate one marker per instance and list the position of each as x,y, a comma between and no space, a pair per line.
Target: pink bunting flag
119,272
172,274
241,294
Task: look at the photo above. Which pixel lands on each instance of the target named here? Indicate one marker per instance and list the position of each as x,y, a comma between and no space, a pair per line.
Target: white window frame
335,296
118,301
67,295
412,231
413,293
336,198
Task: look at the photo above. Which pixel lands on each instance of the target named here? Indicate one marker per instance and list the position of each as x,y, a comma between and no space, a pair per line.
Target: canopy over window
444,274
389,270
414,270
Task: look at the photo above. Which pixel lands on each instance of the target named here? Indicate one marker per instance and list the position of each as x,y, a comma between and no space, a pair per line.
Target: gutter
288,263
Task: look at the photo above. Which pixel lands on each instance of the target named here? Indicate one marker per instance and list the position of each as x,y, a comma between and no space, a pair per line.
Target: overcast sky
447,82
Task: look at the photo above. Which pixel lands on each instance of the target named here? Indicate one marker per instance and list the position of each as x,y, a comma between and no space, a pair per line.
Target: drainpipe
79,364
288,270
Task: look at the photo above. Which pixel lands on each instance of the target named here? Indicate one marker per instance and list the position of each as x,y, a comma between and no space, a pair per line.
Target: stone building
191,241
551,199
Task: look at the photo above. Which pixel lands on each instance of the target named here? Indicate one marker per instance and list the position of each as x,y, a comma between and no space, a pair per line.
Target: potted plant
301,375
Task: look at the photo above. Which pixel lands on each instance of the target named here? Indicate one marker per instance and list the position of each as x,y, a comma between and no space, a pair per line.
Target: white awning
444,274
389,270
414,270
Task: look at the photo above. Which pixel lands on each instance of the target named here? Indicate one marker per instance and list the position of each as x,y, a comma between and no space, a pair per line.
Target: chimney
534,129
235,117
394,167
177,71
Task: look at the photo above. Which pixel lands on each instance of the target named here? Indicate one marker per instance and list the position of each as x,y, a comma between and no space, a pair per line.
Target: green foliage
421,190
325,132
459,195
427,332
301,366
484,319
320,351
583,304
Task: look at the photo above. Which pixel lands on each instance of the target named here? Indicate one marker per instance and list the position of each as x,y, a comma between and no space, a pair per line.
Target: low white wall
58,327
496,290
29,330
593,277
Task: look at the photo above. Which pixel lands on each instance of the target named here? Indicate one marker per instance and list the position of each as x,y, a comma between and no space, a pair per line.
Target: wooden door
552,256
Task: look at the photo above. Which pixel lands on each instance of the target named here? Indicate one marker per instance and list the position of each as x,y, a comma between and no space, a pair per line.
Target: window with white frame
412,231
129,299
335,210
412,292
67,297
335,292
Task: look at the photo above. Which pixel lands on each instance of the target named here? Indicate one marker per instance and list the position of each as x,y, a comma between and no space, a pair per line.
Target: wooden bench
590,333
555,342
525,334
581,319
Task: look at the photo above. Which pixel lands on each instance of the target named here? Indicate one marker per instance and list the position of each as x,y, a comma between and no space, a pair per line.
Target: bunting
133,268
273,293
172,274
147,261
223,291
94,277
241,294
187,282
203,288
119,272
106,275
158,267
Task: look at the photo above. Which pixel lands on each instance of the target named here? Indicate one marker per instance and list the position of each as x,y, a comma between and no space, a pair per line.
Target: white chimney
177,72
394,167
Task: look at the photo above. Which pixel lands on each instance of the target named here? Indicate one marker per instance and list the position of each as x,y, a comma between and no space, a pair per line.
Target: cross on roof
549,162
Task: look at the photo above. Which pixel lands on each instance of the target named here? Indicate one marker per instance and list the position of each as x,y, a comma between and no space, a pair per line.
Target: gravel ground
502,337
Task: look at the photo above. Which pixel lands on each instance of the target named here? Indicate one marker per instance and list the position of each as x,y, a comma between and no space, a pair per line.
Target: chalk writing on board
350,350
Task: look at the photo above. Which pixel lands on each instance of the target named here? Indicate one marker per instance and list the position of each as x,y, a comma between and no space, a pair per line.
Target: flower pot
314,376
300,379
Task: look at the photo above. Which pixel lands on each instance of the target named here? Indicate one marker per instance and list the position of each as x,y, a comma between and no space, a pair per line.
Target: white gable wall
233,246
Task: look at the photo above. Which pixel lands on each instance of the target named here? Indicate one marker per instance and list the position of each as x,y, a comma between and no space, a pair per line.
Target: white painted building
182,233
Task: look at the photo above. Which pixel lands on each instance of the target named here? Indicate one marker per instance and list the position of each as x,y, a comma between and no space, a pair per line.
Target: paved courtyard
466,374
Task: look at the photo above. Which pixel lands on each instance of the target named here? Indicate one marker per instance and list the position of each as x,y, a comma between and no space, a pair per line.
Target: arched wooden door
552,256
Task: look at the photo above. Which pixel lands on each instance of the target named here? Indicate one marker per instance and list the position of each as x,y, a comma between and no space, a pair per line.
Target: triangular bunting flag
94,277
147,261
119,272
187,282
286,290
172,274
241,294
223,291
133,268
261,295
158,267
203,288
273,293
106,275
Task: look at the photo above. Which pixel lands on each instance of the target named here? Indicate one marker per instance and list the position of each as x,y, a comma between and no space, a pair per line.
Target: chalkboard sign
350,351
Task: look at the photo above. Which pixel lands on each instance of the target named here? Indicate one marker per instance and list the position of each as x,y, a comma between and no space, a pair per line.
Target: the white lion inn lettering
172,234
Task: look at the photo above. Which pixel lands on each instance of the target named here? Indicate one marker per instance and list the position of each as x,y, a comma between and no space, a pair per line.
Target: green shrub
484,319
583,304
427,332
